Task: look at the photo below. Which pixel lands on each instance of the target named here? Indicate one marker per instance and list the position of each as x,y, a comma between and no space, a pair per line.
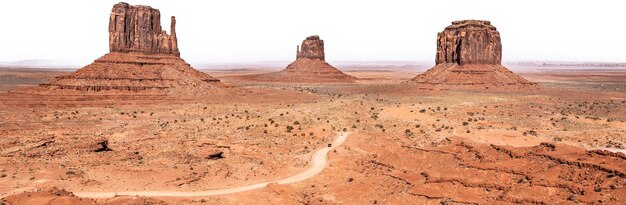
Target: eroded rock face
143,60
138,29
312,48
469,53
135,72
310,66
469,42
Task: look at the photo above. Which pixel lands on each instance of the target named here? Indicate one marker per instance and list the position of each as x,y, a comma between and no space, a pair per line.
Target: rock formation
469,53
310,67
312,48
142,58
138,29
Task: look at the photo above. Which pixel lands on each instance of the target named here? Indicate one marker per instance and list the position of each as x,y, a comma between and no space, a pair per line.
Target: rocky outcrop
52,195
469,42
143,59
469,54
134,72
312,48
310,66
138,29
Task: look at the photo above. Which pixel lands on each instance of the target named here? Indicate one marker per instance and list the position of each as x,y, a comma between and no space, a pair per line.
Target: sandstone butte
469,55
310,66
143,59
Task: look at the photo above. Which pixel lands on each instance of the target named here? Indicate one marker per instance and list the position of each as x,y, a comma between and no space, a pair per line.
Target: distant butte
469,55
143,59
310,66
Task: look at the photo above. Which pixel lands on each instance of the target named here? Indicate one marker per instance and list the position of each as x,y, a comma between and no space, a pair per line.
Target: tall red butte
469,55
143,59
310,66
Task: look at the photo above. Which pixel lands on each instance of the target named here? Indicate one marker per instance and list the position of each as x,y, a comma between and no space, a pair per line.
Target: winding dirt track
318,159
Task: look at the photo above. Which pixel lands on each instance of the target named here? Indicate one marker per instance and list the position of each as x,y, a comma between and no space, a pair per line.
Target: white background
75,31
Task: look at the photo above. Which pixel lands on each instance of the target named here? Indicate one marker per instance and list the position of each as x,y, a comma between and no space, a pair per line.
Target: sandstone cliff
312,48
469,53
143,60
469,42
138,29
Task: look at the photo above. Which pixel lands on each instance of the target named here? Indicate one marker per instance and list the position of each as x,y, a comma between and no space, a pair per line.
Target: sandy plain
407,146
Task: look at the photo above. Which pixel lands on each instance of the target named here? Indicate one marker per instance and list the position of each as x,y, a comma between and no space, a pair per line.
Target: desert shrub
530,132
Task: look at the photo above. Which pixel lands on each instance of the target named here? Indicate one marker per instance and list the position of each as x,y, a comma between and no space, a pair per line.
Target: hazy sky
357,30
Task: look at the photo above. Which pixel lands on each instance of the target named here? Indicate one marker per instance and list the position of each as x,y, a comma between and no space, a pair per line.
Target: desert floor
406,146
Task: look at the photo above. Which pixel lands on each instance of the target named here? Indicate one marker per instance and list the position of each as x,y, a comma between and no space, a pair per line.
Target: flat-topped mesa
469,42
468,56
312,47
137,28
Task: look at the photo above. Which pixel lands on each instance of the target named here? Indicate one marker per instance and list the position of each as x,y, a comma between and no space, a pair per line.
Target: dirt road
318,161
